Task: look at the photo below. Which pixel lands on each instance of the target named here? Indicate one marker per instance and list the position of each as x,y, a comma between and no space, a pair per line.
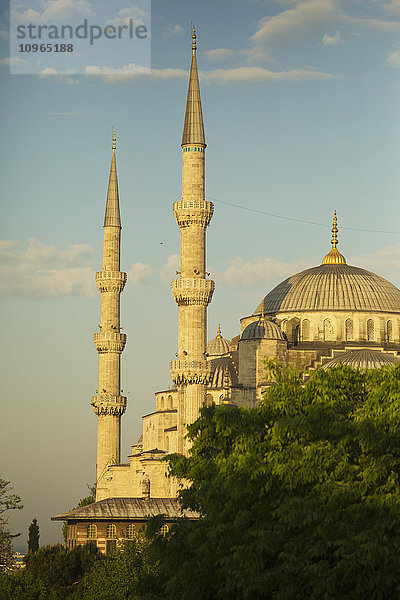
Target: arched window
111,531
91,532
349,330
130,531
170,402
328,330
370,330
305,330
389,331
296,335
162,403
164,530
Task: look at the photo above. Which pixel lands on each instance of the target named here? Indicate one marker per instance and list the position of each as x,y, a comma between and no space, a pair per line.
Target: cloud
394,59
139,274
63,77
332,40
54,11
172,30
13,61
259,271
169,269
116,75
254,74
37,270
4,34
384,262
219,53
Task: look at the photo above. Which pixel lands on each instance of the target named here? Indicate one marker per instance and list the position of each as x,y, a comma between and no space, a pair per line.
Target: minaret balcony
190,371
107,404
193,212
109,341
192,290
111,281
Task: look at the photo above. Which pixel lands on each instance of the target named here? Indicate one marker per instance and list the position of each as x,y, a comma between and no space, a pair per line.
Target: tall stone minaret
109,405
192,291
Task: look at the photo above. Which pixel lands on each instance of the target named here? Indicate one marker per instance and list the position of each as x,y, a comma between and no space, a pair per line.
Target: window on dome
349,330
305,333
389,331
328,330
370,330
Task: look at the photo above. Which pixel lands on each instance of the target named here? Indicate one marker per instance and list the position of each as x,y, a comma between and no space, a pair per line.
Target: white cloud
259,271
124,73
253,74
384,262
169,269
332,40
54,11
172,30
219,53
43,271
394,59
14,61
59,76
139,274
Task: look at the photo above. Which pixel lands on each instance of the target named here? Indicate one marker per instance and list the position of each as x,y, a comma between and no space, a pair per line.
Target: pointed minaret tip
193,129
219,335
112,217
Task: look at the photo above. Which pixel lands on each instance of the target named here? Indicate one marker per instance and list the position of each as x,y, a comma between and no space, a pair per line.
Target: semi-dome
363,359
223,371
332,286
217,346
263,329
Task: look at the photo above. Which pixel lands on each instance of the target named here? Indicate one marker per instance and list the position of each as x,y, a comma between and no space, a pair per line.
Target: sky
301,109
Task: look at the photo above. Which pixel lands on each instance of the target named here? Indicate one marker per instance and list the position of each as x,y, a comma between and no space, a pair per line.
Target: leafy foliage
8,501
33,537
300,496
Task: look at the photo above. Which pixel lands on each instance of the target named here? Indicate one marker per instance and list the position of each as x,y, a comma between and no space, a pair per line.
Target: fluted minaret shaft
108,404
192,291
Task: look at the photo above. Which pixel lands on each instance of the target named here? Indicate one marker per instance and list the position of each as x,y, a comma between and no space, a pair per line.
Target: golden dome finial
219,335
334,257
262,313
194,39
114,139
334,231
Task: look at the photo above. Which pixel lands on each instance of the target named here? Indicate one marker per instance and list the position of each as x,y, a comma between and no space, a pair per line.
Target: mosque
315,319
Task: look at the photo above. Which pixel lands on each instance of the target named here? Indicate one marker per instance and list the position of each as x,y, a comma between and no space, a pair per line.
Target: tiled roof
127,508
332,287
363,359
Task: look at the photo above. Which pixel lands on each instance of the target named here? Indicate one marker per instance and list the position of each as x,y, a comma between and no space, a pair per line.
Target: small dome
218,346
262,330
363,359
221,368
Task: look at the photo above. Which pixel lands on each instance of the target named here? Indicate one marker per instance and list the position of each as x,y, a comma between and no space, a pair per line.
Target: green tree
8,501
299,497
33,537
129,573
82,502
60,571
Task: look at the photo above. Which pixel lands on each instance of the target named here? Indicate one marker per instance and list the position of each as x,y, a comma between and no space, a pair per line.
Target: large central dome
332,288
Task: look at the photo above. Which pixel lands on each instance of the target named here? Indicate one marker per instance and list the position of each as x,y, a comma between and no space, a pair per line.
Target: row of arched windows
195,149
165,404
328,333
111,532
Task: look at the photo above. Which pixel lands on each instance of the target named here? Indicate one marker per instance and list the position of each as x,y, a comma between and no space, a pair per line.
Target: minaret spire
192,291
108,404
193,129
112,217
